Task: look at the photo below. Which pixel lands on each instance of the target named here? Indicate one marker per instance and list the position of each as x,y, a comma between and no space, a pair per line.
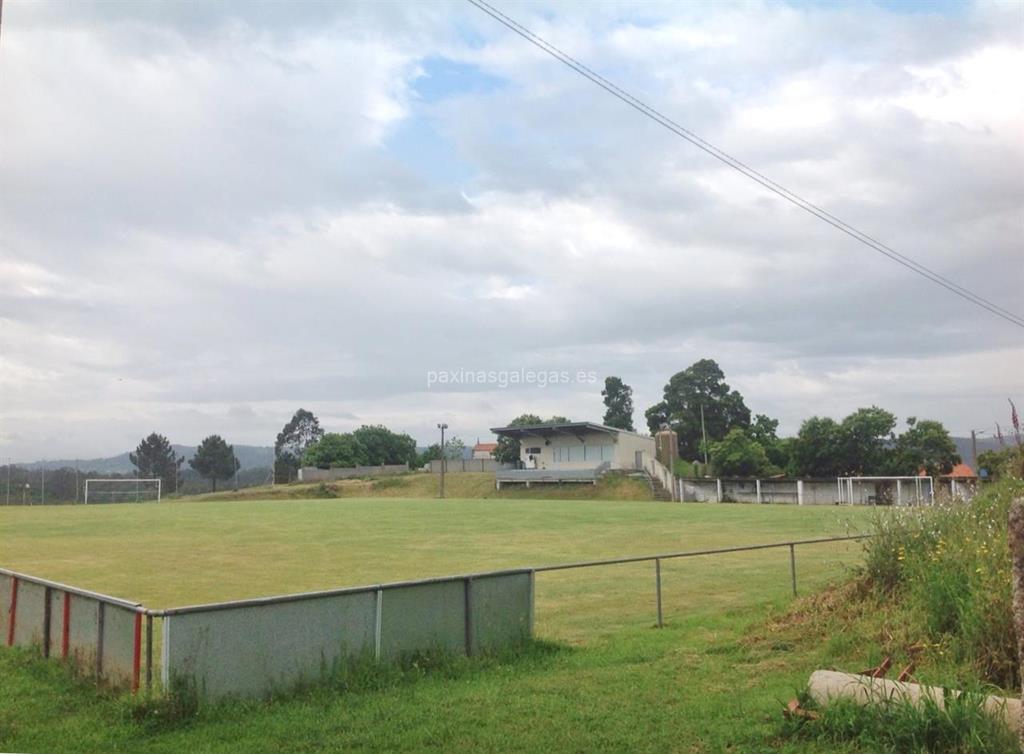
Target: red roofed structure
484,450
961,471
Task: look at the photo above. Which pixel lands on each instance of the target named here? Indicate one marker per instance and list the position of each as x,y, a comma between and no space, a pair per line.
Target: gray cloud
209,219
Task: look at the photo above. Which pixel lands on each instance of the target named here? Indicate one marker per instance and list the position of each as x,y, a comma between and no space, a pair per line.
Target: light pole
24,491
974,446
444,456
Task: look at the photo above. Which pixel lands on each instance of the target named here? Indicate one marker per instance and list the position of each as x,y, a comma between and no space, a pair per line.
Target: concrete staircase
658,489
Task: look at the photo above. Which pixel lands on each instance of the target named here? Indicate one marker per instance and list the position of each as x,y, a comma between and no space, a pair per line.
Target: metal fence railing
792,545
107,632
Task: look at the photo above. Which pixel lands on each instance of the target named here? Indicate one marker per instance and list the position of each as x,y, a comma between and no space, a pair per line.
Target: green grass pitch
615,683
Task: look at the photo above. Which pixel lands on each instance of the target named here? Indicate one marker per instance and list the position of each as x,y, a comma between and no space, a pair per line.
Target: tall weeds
950,565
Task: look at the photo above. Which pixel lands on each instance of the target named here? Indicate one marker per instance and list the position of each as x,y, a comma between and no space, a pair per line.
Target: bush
951,565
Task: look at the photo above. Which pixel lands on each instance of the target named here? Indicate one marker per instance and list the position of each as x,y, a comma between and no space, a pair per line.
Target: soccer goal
122,490
886,490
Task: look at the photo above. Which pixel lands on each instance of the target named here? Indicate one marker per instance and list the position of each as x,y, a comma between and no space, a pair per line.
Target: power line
746,170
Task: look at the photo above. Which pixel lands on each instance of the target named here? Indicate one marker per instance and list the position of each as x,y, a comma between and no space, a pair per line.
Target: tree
215,459
763,430
382,446
155,458
817,449
738,455
432,453
508,447
860,444
618,400
292,441
701,384
454,449
925,444
335,449
865,437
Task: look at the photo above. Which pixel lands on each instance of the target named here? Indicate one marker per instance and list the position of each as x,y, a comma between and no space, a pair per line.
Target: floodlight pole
444,456
974,446
42,486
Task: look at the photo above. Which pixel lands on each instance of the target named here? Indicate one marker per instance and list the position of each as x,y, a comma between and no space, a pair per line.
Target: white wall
569,452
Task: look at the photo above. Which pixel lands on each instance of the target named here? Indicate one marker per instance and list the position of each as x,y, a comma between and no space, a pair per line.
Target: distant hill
963,447
249,456
256,456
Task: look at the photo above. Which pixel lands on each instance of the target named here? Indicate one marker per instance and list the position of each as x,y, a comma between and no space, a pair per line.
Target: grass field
612,683
187,553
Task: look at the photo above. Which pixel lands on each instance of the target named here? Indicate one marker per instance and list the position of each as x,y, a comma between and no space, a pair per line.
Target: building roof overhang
551,430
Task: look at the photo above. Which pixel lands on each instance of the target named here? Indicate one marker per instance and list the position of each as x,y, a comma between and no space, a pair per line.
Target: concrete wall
254,648
784,491
458,466
98,636
627,446
313,474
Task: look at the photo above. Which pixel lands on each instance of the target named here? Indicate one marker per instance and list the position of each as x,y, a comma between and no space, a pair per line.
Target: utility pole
42,486
444,457
704,434
974,446
8,480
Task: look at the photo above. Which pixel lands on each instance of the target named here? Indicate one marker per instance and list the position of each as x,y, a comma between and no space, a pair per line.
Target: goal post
885,490
122,490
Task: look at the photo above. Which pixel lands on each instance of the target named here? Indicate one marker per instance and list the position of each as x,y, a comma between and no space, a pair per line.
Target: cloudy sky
212,214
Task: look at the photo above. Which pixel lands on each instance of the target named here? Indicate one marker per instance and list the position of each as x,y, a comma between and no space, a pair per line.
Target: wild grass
950,568
474,485
960,725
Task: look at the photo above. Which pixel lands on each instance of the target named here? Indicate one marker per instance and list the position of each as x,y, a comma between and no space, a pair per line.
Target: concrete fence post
1016,537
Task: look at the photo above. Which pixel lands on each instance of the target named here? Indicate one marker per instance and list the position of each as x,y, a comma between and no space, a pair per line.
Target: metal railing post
657,579
468,607
100,620
149,653
47,619
792,566
379,606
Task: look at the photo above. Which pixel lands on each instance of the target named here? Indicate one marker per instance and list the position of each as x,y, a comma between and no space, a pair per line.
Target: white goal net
886,490
122,490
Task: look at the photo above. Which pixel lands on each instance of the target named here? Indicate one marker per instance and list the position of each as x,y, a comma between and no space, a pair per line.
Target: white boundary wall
254,648
313,474
100,634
